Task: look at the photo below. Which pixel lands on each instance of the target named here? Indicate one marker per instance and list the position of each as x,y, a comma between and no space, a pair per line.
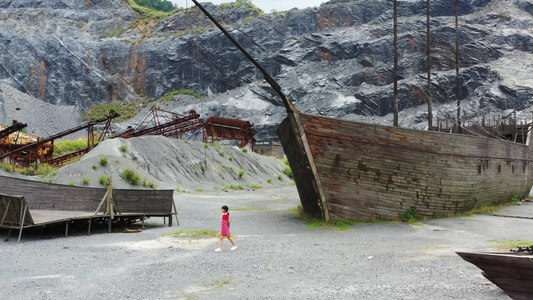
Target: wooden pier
26,204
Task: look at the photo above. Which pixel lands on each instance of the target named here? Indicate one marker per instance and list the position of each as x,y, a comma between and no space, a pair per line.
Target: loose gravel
278,256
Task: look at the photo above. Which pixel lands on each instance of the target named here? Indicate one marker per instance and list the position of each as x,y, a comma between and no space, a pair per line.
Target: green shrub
123,147
221,153
288,172
104,180
269,180
104,160
85,181
234,187
231,158
409,215
95,167
280,177
256,186
71,183
130,176
241,173
244,150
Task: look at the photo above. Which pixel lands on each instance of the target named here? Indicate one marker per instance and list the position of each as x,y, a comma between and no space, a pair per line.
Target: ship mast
286,101
457,78
428,62
395,103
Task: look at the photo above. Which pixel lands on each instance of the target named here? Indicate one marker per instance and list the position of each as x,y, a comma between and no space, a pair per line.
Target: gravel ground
278,256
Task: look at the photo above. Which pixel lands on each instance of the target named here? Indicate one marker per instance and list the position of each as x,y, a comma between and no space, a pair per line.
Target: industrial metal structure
174,124
24,148
218,128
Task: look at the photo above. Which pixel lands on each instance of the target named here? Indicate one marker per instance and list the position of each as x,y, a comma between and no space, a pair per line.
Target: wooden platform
26,204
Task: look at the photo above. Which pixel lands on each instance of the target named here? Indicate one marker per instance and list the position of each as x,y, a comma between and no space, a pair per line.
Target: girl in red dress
225,229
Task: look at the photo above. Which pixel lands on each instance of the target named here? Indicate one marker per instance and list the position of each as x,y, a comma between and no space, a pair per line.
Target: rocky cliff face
334,60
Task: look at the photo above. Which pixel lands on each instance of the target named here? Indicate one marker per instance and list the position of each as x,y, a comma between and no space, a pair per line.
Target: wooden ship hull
352,170
509,271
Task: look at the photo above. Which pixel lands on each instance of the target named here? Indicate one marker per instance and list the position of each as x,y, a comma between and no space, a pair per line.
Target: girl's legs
220,244
231,240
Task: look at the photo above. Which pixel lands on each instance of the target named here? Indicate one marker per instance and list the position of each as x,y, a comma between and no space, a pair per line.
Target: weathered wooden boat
353,170
509,271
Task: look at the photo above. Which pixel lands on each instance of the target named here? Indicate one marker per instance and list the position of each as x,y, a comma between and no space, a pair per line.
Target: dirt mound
165,163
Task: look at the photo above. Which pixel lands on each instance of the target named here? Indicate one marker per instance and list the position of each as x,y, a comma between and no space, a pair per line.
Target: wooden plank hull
352,170
509,271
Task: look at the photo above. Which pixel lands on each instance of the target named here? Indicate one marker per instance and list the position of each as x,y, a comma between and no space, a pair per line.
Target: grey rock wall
333,60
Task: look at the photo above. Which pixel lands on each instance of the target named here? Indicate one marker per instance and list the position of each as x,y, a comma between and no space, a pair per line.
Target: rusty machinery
174,125
24,149
218,128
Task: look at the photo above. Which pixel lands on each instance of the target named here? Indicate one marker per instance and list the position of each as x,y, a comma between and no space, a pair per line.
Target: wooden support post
66,229
144,217
109,225
175,212
23,218
89,231
5,213
101,204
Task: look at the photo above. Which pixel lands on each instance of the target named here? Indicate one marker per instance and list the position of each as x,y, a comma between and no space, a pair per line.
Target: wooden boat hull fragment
511,272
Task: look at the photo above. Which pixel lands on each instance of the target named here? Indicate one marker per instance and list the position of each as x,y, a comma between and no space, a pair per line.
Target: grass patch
104,161
269,180
71,183
195,234
250,208
116,33
313,222
255,186
512,243
68,146
149,184
170,95
234,186
95,167
222,153
85,181
147,13
123,148
248,5
130,176
127,110
241,173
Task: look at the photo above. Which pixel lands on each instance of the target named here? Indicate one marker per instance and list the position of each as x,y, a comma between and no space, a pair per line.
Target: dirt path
279,257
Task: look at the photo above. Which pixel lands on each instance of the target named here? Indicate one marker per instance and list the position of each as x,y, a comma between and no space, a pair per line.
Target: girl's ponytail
225,207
